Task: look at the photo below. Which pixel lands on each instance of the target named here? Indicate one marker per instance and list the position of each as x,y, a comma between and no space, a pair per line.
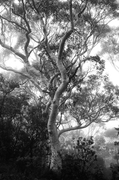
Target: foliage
115,171
82,161
94,100
23,134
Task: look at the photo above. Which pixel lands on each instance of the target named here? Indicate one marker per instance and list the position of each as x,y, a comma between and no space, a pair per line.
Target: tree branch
83,9
28,31
73,128
24,75
64,81
23,57
35,8
13,22
67,35
52,79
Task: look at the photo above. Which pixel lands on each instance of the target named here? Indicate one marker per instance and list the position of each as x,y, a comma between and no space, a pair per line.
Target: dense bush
115,171
23,135
81,162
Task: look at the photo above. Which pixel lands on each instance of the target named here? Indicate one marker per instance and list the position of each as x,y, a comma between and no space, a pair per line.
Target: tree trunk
55,161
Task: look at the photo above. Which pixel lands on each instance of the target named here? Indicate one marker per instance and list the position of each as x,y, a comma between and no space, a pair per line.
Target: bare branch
33,50
13,51
64,100
67,35
73,128
47,107
24,75
71,16
35,8
13,22
28,30
52,79
74,73
83,9
14,71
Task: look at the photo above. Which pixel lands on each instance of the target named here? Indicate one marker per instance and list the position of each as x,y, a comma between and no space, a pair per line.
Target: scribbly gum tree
52,41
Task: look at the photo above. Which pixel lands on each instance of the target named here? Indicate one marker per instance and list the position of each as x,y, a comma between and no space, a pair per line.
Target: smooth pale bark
52,130
56,163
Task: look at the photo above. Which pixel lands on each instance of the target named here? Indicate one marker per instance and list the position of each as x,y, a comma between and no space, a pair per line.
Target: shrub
82,162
